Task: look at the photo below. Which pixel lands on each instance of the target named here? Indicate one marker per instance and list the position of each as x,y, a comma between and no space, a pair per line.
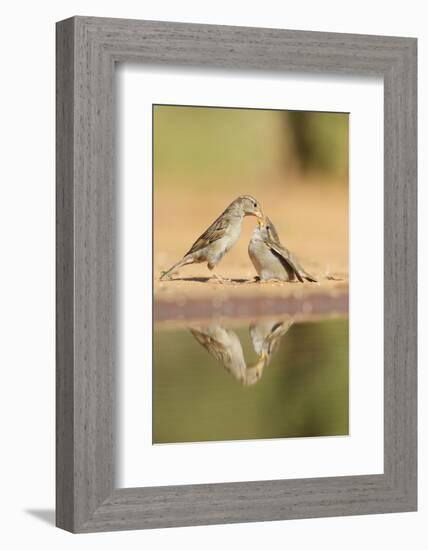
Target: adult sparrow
221,235
271,259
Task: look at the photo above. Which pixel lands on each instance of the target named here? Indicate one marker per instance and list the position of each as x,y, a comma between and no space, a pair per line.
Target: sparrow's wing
272,232
273,339
285,256
214,232
289,261
281,328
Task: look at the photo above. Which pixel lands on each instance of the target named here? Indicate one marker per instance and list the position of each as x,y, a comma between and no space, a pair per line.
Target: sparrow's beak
264,357
259,214
261,222
262,361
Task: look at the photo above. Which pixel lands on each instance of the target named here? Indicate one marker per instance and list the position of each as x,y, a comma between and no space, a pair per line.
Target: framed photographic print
236,274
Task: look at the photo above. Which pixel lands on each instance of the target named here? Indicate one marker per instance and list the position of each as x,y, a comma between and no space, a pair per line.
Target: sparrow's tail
186,260
309,277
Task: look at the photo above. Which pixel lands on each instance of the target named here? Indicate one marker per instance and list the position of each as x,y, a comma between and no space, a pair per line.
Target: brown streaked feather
214,232
213,346
273,339
272,232
309,277
286,258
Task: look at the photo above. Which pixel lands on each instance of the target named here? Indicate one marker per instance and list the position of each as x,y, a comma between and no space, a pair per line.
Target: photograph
250,274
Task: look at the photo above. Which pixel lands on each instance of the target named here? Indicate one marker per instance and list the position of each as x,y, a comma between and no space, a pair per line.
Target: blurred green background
196,142
303,392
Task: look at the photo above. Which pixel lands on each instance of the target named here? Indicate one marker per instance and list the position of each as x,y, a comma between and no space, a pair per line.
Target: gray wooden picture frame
87,51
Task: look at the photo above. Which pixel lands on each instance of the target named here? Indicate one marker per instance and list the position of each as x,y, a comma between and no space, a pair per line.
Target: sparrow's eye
255,204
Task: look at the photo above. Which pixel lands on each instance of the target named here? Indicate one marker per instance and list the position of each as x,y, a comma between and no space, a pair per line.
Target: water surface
294,382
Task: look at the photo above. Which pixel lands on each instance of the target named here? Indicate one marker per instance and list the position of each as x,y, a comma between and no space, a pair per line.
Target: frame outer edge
400,292
408,264
65,108
94,274
412,170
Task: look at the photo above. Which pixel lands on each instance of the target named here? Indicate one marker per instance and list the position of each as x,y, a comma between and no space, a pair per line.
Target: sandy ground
312,221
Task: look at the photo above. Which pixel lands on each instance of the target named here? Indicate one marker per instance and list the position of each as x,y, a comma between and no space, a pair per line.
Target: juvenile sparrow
271,259
221,235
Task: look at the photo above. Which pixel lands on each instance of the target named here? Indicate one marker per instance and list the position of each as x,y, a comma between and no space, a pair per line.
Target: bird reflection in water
224,345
